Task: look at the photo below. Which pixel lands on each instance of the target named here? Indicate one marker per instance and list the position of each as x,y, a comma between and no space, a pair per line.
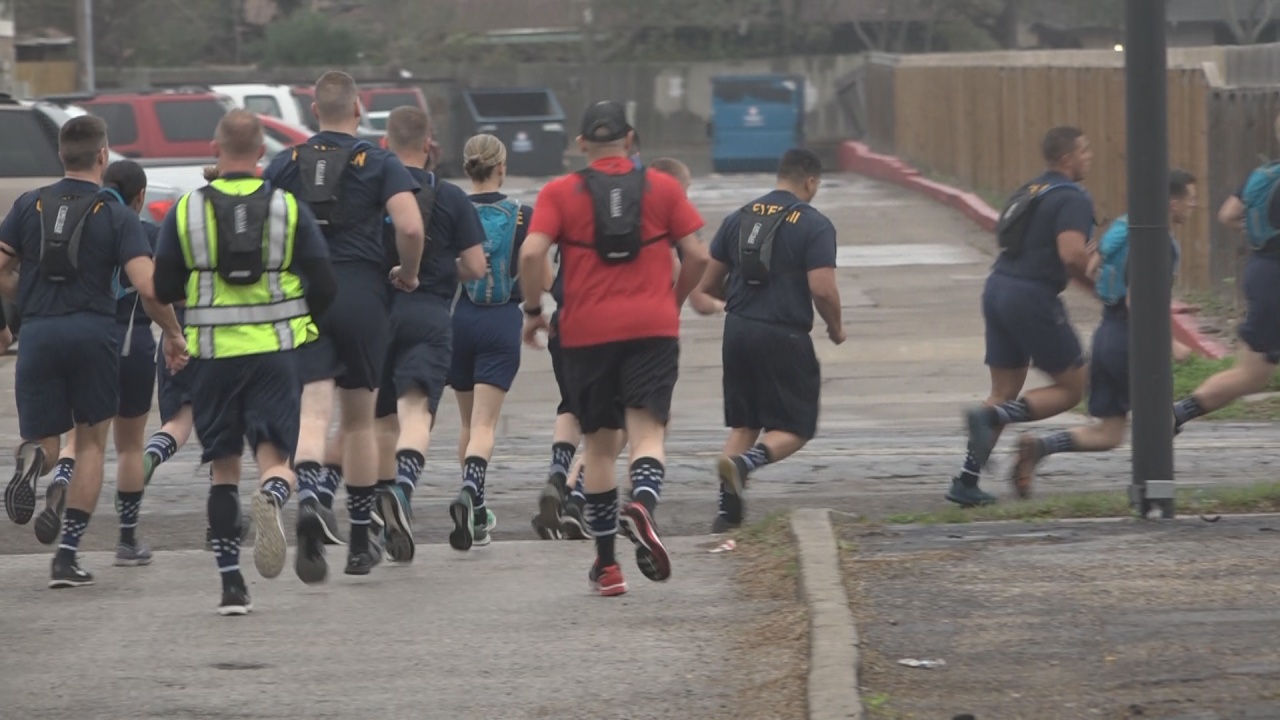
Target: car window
122,126
263,105
189,120
28,147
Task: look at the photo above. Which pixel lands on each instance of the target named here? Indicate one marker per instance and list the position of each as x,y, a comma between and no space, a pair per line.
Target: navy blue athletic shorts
557,363
421,348
137,370
67,373
486,345
771,377
1261,327
354,332
1026,324
1109,365
172,391
255,398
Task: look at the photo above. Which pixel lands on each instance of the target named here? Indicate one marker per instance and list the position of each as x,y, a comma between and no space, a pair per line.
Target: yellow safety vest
225,320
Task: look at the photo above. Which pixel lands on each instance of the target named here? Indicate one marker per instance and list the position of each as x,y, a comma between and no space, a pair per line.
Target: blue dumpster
755,119
528,121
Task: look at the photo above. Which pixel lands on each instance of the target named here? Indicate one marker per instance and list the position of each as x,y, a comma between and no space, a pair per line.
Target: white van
290,104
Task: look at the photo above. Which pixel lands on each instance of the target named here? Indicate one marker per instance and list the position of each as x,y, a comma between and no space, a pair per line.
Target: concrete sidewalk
507,631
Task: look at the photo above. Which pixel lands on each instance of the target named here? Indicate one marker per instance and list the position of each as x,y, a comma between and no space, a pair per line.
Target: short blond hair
239,134
482,155
336,95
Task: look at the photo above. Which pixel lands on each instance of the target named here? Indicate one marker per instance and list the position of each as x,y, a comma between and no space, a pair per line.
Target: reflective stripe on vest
276,301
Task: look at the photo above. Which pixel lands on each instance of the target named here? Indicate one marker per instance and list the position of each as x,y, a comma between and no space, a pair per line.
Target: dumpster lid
512,104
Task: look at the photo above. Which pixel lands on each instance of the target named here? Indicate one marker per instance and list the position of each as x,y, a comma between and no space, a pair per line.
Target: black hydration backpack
1015,219
241,220
320,169
618,204
62,219
757,229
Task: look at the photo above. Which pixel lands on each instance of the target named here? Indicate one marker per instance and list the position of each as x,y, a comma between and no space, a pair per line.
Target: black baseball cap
605,122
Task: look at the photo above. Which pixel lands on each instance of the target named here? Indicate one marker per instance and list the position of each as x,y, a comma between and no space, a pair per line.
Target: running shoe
20,495
651,555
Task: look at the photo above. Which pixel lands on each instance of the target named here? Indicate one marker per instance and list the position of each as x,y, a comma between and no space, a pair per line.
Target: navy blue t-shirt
452,228
524,216
366,186
308,243
806,240
1062,210
112,236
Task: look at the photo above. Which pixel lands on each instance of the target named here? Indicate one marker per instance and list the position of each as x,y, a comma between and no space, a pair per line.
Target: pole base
1150,496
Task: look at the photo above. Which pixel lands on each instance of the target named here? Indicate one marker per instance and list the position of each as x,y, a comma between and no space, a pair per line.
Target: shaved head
408,129
336,97
239,135
675,169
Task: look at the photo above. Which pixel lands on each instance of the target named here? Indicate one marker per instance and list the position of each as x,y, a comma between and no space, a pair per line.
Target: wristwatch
532,310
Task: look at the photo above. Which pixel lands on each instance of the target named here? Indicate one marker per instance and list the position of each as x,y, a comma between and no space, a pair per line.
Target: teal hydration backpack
500,221
1259,198
1112,284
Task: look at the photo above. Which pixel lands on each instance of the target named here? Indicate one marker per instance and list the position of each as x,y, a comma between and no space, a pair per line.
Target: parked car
157,124
29,159
304,95
272,100
381,100
284,132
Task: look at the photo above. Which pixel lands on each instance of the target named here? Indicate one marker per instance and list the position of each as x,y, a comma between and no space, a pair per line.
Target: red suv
158,124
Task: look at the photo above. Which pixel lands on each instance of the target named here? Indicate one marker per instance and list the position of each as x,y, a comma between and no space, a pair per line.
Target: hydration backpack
757,228
1112,283
1259,198
618,204
241,221
1015,219
320,170
62,219
501,221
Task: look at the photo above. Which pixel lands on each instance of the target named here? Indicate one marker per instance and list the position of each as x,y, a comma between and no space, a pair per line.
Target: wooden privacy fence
981,125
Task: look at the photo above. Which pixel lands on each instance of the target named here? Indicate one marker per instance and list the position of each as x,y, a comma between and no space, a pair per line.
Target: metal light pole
84,33
1150,261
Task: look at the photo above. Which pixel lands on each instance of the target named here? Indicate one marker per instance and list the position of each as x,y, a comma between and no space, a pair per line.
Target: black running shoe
361,563
49,521
573,519
549,502
308,559
721,525
67,574
329,523
545,533
393,506
20,495
235,600
463,513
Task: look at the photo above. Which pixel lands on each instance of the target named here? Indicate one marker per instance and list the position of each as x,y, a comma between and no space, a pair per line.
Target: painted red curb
858,158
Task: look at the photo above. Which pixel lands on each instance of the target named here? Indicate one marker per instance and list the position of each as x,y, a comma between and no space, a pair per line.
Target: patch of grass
879,705
1212,304
1189,374
1263,497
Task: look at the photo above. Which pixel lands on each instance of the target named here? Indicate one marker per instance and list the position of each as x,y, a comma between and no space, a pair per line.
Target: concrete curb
833,637
856,157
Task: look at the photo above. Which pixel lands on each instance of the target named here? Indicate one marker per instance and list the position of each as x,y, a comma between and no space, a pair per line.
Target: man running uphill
1109,364
1044,234
68,242
620,325
238,251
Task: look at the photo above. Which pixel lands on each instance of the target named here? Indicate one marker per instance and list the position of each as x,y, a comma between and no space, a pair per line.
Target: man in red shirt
619,326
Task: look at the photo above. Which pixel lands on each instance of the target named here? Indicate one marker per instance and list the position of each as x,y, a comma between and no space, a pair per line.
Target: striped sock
1014,411
970,471
329,481
757,457
130,508
1060,442
74,524
408,468
602,519
162,445
308,473
63,471
360,506
473,471
278,489
646,482
578,484
562,459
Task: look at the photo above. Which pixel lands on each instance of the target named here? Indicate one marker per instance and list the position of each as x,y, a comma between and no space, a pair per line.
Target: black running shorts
602,381
771,377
